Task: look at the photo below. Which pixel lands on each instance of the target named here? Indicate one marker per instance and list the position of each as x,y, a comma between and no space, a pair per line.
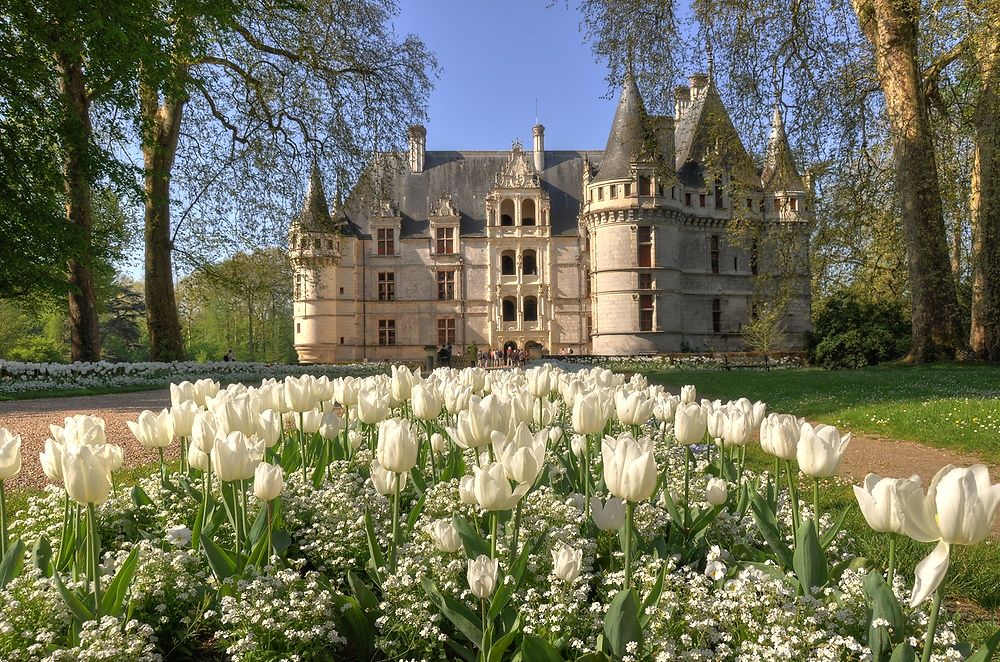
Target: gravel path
31,419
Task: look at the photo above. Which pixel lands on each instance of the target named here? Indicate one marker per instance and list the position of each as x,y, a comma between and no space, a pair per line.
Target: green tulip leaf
904,653
653,597
767,524
463,618
461,651
114,595
374,550
809,560
537,649
472,541
12,563
322,461
77,608
41,555
418,508
140,498
259,528
501,645
621,623
368,601
219,560
834,529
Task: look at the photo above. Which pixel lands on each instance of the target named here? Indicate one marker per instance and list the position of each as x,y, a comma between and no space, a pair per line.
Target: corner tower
314,246
632,273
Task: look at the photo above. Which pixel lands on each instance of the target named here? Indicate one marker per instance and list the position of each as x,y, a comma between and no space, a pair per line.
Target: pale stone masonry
622,251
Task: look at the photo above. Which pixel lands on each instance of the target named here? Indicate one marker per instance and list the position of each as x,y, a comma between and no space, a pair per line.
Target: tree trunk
159,148
85,340
984,337
891,27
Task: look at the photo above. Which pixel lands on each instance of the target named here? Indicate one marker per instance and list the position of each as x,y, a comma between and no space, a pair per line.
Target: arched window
507,265
530,309
528,212
509,309
529,264
507,212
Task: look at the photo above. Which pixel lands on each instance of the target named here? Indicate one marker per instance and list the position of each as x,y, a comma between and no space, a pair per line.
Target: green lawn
943,405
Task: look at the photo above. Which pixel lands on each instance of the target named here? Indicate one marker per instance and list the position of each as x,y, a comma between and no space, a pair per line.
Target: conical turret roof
780,172
315,211
626,139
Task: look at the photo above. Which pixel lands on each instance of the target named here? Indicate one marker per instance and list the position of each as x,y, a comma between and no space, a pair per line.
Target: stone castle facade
649,246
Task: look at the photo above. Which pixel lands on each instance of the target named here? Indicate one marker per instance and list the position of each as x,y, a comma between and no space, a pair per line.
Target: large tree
260,89
81,59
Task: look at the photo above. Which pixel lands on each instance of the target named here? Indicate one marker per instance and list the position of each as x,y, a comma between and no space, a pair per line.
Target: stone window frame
386,332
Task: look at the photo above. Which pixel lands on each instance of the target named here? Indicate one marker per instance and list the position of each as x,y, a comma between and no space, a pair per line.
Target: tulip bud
204,431
445,536
153,430
51,460
180,393
309,421
330,425
578,444
629,468
567,562
482,576
269,426
197,458
779,435
385,480
690,424
10,454
555,434
689,394
87,473
355,439
235,456
589,413
820,450
609,516
268,481
438,443
182,417
427,401
397,445
492,489
717,491
467,490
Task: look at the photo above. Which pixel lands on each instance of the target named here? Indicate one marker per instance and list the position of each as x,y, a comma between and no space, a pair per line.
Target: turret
538,132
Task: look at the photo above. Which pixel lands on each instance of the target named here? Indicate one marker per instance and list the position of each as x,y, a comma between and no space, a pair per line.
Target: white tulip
181,393
205,431
482,576
153,430
427,401
492,489
87,474
330,425
690,424
884,501
373,406
385,480
397,445
268,481
467,490
629,468
779,435
820,450
197,458
51,460
689,394
567,562
608,516
235,456
589,413
633,408
717,491
309,421
183,416
10,454
445,536
269,426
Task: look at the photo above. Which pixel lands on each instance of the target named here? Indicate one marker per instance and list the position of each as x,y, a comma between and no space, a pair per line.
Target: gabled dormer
386,225
780,177
517,204
445,221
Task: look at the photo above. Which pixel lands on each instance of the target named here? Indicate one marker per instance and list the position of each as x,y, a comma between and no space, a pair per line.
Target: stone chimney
418,147
538,131
682,100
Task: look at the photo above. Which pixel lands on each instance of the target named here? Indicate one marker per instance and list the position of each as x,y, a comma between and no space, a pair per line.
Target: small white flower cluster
33,617
328,523
111,639
280,614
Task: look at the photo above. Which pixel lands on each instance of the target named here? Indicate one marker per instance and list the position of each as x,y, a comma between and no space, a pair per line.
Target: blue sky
497,57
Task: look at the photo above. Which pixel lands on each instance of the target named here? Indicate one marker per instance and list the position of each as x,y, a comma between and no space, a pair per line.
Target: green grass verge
950,406
71,392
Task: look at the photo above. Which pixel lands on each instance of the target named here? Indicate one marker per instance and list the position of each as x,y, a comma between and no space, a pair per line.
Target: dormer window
386,241
444,241
528,212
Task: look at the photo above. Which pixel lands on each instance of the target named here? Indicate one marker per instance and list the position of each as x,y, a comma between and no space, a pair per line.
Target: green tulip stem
493,534
270,525
302,447
65,524
183,443
395,524
3,522
163,467
517,530
243,510
793,495
483,610
891,573
932,625
76,544
629,514
816,503
95,558
722,457
430,450
687,485
777,472
743,461
206,480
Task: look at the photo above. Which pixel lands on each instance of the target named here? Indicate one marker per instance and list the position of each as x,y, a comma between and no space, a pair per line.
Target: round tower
634,280
314,247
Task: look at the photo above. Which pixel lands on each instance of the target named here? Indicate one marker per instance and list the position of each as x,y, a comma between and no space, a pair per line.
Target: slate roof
468,176
626,138
780,172
315,214
704,125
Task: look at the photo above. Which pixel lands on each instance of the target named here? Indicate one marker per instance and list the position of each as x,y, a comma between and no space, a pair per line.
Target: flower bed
687,361
513,515
17,377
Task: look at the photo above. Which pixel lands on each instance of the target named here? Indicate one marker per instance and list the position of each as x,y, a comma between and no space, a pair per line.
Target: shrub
850,332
